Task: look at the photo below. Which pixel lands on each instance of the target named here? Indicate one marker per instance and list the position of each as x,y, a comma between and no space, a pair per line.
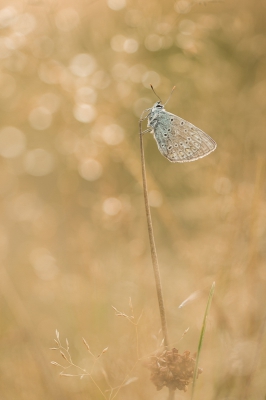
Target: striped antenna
170,95
155,93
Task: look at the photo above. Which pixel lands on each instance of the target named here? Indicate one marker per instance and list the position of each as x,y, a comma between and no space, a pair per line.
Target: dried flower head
171,369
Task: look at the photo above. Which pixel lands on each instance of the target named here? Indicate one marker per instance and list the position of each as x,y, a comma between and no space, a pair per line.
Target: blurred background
74,80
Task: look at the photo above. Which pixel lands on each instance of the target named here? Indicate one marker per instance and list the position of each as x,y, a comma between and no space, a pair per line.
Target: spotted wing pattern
179,140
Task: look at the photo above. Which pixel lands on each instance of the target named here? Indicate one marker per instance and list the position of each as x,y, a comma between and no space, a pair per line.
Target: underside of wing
180,141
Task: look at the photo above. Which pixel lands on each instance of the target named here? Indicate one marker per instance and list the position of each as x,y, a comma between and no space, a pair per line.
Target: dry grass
73,238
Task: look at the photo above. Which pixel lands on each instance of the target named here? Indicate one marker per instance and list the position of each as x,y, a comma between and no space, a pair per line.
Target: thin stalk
245,394
154,258
171,395
204,323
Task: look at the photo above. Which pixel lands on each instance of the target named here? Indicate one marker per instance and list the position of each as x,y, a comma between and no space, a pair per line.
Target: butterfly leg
148,130
143,119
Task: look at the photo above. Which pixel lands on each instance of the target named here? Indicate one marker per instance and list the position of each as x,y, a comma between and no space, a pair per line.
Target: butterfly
177,139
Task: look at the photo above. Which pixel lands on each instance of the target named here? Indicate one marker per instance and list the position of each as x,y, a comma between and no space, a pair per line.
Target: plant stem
154,258
171,394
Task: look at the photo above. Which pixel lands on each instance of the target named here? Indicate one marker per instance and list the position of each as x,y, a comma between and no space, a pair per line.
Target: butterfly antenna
155,93
170,95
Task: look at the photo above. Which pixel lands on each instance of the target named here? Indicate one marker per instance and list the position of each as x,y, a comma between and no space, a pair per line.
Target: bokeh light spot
15,41
117,43
83,65
7,16
151,77
113,134
131,45
187,27
116,4
38,162
90,169
184,42
51,72
40,118
112,206
86,95
12,142
153,42
182,6
44,264
84,113
24,23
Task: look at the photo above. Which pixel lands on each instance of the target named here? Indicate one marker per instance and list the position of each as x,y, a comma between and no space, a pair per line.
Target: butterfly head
157,106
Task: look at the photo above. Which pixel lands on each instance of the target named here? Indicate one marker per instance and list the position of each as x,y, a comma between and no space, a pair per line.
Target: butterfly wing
179,140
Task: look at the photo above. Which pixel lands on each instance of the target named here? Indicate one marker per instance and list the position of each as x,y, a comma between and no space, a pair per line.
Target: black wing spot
182,123
170,147
172,119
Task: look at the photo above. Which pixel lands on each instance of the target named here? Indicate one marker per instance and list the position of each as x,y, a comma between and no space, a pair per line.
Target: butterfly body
177,139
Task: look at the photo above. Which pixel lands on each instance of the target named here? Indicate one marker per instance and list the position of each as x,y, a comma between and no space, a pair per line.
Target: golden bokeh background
74,80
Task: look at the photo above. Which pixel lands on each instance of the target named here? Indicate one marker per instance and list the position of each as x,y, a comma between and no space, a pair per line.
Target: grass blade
204,323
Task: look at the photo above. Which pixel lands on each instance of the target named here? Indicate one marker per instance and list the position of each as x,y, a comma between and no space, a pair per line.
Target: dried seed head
171,369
